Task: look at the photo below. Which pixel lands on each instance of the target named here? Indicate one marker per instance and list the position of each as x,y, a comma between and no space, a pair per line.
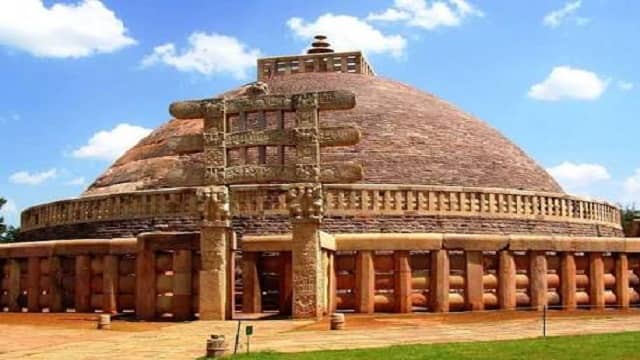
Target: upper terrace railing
345,62
340,200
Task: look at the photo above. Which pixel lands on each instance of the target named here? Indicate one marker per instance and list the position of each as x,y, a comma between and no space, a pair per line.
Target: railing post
622,280
251,292
474,287
365,282
110,277
402,281
568,286
506,281
538,279
596,280
83,284
33,284
439,282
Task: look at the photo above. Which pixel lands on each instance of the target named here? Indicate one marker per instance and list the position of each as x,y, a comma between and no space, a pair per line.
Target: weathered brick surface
408,136
342,224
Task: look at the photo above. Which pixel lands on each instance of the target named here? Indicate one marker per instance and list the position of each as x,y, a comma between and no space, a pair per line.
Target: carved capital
214,206
305,202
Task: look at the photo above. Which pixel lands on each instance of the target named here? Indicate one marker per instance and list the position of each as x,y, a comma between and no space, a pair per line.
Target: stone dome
408,137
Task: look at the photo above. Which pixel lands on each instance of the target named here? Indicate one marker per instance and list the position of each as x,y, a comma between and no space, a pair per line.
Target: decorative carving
196,109
306,135
215,138
339,136
214,175
258,103
253,89
341,173
214,206
305,202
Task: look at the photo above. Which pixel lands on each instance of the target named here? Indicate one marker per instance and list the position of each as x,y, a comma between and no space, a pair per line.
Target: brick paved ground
71,336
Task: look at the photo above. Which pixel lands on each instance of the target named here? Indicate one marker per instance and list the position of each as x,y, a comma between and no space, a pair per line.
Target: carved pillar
402,279
14,285
568,286
439,282
251,292
365,282
182,265
538,279
214,250
286,283
83,283
596,280
33,284
55,281
474,287
305,210
622,280
110,277
506,280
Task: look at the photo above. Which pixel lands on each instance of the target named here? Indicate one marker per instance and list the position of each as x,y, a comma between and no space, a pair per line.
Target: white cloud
577,178
27,178
62,30
565,82
9,208
625,85
110,144
557,17
207,54
346,32
76,181
428,15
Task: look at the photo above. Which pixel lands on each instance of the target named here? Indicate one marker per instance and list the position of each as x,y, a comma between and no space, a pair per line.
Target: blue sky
84,80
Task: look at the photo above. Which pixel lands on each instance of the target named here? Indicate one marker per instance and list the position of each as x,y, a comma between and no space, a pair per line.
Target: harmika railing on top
340,199
345,62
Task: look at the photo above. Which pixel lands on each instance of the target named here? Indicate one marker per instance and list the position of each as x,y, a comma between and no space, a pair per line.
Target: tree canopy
8,233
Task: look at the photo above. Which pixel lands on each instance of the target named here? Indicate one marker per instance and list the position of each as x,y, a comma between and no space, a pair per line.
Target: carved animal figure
253,89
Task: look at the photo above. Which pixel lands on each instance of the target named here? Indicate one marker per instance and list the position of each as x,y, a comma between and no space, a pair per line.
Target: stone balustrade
345,62
157,274
340,200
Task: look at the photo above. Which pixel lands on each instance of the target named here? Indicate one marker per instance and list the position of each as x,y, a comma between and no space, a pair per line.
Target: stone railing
340,200
346,62
360,199
141,204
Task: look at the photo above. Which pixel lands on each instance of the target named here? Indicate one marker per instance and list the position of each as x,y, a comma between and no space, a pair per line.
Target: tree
7,233
629,213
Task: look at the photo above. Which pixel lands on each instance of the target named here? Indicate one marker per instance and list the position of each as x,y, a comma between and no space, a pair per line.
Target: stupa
320,187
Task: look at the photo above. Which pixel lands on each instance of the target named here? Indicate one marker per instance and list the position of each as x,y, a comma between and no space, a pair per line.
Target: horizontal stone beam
248,174
329,136
195,109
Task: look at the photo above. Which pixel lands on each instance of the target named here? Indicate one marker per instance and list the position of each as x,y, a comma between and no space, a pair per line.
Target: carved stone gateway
305,173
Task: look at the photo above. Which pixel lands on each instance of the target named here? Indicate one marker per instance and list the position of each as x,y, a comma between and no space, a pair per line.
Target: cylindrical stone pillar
110,278
251,292
83,284
402,281
506,280
538,279
55,280
439,282
33,284
474,287
145,281
596,280
365,282
622,280
14,285
568,286
182,270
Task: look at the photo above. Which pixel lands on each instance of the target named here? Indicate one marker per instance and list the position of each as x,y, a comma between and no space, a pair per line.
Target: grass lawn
586,347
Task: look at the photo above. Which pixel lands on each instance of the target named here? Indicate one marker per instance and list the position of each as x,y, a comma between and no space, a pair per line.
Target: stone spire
320,45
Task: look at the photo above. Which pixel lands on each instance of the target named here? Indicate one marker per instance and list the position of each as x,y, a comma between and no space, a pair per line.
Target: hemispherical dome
408,137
